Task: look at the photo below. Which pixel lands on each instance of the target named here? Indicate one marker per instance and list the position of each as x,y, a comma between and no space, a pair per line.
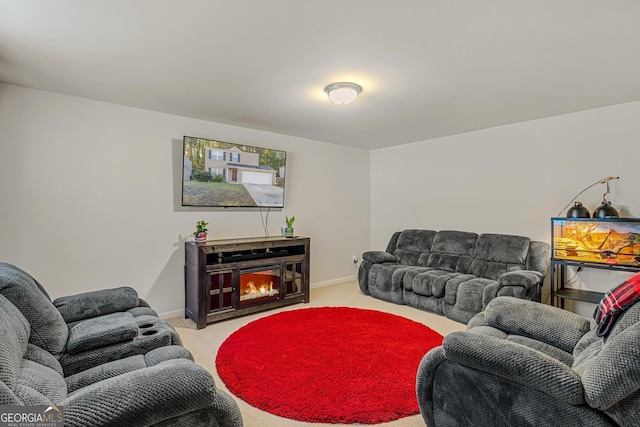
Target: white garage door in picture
256,178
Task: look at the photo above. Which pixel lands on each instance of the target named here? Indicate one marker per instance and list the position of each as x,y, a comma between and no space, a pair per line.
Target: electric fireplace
259,285
230,278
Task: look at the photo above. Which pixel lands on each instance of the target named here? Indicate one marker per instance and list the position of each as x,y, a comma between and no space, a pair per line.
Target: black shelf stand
560,293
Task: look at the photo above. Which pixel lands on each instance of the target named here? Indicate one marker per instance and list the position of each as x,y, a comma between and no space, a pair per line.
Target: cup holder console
145,330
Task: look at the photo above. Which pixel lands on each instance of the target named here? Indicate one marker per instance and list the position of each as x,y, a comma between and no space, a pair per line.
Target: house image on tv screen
237,166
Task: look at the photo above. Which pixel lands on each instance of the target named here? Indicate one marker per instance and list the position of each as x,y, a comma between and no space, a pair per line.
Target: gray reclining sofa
454,273
104,356
520,363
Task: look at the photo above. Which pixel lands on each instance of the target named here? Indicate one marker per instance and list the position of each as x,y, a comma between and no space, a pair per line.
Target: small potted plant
288,231
201,231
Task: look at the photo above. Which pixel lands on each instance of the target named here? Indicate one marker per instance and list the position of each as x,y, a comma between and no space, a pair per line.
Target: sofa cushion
128,364
380,275
496,254
614,372
407,279
43,357
465,292
14,330
454,242
48,329
412,244
29,375
432,282
451,251
39,385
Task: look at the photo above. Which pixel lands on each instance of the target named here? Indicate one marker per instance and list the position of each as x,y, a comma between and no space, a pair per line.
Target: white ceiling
428,68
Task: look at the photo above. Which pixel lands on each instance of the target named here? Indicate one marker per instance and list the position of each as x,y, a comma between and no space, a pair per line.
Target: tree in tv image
224,174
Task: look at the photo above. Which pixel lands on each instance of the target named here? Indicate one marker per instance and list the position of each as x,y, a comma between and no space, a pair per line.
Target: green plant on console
288,232
201,227
289,221
201,231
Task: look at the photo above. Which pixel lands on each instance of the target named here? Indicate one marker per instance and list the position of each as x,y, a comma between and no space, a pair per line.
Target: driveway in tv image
266,195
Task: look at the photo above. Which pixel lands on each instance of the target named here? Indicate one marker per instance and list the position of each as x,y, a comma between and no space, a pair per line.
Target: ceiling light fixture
343,93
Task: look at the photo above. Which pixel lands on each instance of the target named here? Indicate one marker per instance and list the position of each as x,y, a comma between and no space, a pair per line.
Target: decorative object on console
343,93
576,212
201,231
288,231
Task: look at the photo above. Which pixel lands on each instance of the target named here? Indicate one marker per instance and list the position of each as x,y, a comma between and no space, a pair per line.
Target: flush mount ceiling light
343,93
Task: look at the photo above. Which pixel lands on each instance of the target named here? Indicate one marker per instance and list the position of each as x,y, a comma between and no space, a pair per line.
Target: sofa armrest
96,303
554,326
519,284
522,278
101,331
378,257
143,397
516,363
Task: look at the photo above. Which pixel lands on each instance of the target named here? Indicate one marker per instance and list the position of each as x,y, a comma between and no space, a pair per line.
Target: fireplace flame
251,291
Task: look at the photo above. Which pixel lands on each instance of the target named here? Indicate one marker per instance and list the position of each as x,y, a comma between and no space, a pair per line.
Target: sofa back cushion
96,303
609,366
538,257
48,329
496,254
28,374
452,250
414,246
391,246
14,336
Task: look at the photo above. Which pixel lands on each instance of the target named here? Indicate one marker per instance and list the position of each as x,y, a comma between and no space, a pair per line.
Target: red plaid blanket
615,302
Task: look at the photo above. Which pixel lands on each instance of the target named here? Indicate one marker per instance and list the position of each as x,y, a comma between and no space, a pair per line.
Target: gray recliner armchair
104,356
88,329
522,363
164,387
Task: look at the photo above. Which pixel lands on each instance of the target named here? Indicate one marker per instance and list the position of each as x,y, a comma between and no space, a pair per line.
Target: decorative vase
288,232
201,237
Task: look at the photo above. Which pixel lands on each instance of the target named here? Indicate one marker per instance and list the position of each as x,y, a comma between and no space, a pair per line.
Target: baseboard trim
334,281
171,314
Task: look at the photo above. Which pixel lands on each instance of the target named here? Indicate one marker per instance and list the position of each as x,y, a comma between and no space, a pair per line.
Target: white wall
509,179
90,196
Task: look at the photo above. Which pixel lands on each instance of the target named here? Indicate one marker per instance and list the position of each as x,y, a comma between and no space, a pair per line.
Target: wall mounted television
222,174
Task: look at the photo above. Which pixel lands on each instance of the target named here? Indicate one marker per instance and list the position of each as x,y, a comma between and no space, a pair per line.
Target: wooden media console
235,277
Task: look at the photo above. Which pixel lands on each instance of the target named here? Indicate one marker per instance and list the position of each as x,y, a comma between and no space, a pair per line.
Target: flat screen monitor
222,174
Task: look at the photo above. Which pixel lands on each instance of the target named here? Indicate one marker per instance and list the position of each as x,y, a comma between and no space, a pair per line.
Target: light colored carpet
204,343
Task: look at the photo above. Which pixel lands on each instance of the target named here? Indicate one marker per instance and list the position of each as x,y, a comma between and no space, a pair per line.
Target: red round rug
329,364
